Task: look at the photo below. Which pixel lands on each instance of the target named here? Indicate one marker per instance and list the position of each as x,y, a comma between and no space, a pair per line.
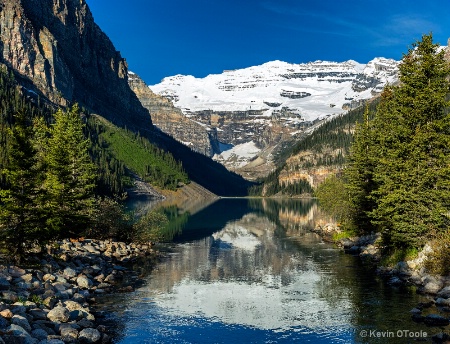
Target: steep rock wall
59,52
170,119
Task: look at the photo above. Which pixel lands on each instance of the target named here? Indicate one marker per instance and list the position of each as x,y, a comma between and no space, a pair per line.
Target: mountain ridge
58,52
250,114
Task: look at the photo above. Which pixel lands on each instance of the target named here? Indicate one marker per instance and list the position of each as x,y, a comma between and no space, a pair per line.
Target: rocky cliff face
59,52
171,120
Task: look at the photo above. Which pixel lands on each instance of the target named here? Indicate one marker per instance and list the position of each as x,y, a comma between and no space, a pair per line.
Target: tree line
59,175
397,179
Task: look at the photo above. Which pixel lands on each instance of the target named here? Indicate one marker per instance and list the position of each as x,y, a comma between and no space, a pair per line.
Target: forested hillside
57,165
397,178
326,147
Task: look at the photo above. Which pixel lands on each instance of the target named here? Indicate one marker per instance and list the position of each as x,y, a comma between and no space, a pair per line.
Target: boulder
69,273
38,314
84,282
39,334
7,314
58,314
21,321
4,283
431,287
9,296
68,334
89,335
72,305
49,277
444,293
16,330
442,302
84,323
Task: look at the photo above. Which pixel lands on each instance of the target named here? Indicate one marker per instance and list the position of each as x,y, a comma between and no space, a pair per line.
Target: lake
251,271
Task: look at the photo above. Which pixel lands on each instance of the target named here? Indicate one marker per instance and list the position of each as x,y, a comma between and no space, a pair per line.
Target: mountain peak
308,88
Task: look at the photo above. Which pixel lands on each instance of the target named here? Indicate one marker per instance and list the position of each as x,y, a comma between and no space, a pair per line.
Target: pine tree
412,143
20,213
70,177
360,176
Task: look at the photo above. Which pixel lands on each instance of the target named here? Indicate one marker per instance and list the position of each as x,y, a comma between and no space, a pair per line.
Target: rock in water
89,335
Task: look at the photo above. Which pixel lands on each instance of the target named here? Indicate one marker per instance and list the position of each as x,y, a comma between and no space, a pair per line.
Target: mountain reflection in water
251,271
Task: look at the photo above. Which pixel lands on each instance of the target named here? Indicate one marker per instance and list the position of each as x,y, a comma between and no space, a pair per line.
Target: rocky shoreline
52,301
436,311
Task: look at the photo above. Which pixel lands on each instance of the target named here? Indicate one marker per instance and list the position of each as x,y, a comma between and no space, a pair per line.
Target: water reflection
252,272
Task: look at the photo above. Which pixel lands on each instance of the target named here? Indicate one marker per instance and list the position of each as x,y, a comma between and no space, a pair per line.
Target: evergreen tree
20,214
412,128
360,176
70,177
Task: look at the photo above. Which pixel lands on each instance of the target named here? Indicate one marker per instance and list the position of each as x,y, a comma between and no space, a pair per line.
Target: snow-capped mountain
313,89
248,110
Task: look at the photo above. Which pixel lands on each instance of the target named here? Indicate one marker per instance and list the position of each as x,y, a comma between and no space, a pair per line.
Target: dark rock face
237,127
171,120
56,46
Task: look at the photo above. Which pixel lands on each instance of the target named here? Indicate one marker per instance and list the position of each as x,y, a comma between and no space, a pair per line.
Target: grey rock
72,305
89,335
84,282
21,321
50,301
27,278
3,323
38,314
4,283
10,296
59,286
69,273
76,315
442,302
18,308
431,288
79,298
58,314
61,279
84,323
49,277
415,311
110,278
444,293
395,281
91,249
52,341
68,334
16,271
19,339
39,334
17,330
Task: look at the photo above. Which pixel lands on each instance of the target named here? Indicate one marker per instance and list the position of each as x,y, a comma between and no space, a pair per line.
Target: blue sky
162,38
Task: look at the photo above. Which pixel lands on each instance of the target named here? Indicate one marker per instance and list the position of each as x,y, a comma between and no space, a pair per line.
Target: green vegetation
271,186
438,260
57,167
397,180
143,158
391,256
149,227
334,199
329,145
